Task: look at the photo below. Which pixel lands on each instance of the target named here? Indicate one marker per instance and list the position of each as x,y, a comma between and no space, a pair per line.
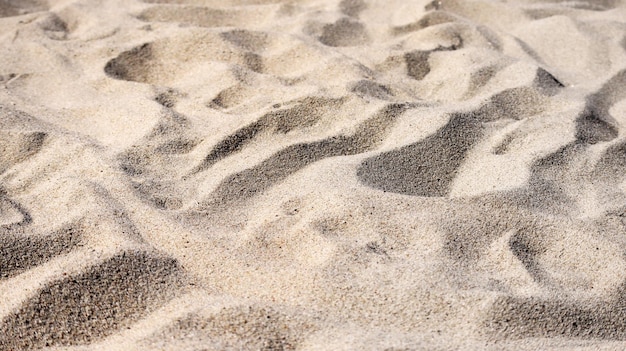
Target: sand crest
312,175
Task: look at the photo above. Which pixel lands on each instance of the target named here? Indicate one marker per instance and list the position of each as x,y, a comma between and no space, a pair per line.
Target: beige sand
312,175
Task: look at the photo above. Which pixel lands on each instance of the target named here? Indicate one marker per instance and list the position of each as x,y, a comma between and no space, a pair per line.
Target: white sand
312,175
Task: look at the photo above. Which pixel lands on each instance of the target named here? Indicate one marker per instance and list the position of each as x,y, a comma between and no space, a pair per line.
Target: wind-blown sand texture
312,175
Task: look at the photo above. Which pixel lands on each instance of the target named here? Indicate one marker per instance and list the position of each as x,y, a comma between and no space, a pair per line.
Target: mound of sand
312,175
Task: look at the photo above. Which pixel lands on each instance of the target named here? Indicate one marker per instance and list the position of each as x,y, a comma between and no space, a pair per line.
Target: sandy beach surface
312,175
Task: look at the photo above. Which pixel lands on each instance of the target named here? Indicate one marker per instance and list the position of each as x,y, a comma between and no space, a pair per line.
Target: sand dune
312,175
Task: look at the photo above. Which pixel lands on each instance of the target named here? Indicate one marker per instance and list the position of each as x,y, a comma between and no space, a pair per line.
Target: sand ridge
315,174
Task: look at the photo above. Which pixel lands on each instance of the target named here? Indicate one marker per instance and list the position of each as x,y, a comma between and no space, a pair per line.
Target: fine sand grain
312,175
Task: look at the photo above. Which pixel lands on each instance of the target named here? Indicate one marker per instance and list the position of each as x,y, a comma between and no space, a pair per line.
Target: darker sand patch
129,65
251,182
592,129
54,26
368,88
352,8
344,32
168,98
303,114
253,61
527,245
514,103
518,317
595,124
609,94
545,192
612,164
481,77
246,40
10,8
427,167
417,65
20,251
80,309
546,83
